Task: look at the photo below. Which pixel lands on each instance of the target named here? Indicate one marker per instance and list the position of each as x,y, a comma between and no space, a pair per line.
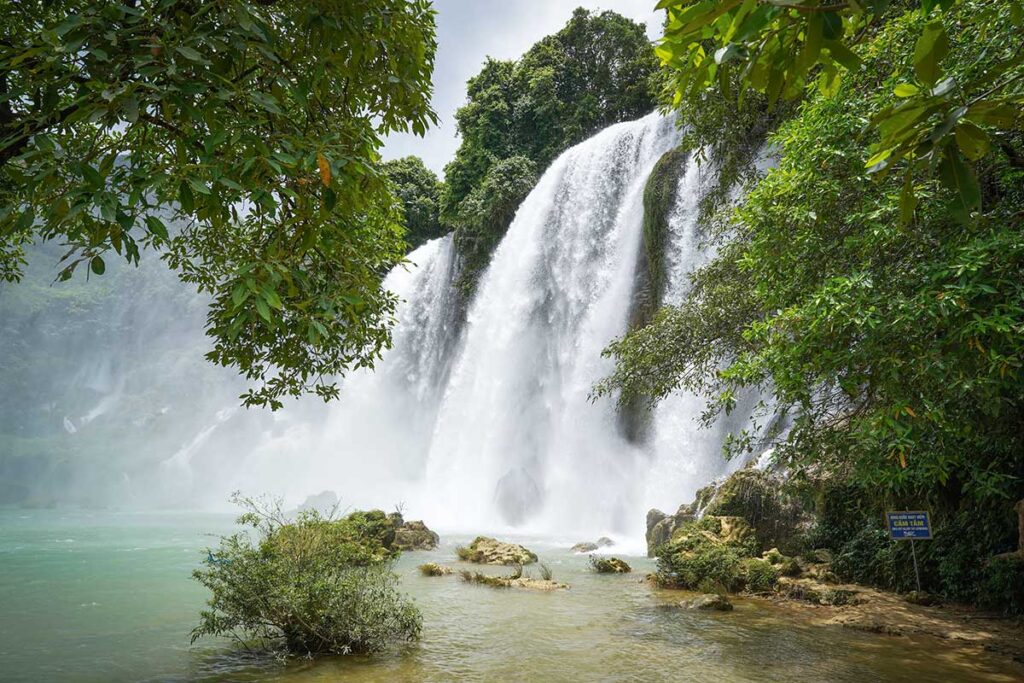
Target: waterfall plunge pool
107,596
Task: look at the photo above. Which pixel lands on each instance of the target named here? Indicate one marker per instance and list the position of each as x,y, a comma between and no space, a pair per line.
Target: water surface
105,596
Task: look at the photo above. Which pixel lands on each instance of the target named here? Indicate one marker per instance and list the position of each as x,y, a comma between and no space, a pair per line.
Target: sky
469,31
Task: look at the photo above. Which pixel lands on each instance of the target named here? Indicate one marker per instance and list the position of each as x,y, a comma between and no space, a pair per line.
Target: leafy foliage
889,341
238,138
313,586
419,191
777,47
596,71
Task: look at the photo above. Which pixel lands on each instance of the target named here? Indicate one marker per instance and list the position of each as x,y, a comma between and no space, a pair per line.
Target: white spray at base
491,426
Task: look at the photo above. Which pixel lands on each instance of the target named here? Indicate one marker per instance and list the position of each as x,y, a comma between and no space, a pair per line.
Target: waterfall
477,419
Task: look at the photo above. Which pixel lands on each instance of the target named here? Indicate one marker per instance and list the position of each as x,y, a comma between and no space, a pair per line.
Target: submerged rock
434,569
584,547
609,565
708,601
588,547
517,580
486,550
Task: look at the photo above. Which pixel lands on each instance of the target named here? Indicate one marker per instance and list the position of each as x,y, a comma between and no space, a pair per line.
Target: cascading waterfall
478,419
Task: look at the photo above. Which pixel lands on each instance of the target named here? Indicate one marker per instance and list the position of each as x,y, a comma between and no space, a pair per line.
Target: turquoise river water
106,596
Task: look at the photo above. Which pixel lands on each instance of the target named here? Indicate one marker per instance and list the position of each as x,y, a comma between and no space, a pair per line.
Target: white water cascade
477,419
493,427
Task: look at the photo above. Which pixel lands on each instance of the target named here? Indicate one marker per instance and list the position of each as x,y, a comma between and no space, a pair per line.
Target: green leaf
959,178
97,265
843,55
996,114
906,90
971,140
93,177
198,185
263,309
156,226
189,53
185,198
931,48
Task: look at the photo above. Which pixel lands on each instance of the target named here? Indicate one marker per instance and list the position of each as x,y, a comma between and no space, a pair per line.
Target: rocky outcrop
485,550
415,536
754,495
412,535
609,565
708,601
514,581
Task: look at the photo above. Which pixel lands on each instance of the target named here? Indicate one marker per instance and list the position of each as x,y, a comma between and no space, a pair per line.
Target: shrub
434,569
545,572
719,564
313,586
759,576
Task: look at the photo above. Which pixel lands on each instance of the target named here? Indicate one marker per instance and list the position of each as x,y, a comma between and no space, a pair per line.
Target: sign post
910,525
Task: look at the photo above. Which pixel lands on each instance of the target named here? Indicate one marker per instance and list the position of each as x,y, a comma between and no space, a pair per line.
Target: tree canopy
238,138
597,70
419,191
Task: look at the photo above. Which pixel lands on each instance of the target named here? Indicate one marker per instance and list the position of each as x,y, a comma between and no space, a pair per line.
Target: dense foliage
315,585
238,137
594,72
892,337
419,191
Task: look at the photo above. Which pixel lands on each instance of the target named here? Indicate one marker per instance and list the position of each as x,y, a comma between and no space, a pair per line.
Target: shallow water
102,596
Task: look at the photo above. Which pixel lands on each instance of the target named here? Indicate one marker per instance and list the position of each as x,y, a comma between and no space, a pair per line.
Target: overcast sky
468,31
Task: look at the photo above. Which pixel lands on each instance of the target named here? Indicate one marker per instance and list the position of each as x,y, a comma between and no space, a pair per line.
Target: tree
238,138
419,191
595,71
777,47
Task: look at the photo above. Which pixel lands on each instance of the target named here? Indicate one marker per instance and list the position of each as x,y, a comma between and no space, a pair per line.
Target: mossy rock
840,597
609,565
486,550
708,601
758,497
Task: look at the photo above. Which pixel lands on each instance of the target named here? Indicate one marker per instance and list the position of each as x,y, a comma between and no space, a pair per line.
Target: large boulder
584,547
609,565
486,550
754,495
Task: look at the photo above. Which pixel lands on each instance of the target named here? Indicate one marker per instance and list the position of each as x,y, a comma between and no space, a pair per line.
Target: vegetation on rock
609,565
434,569
485,550
311,586
596,71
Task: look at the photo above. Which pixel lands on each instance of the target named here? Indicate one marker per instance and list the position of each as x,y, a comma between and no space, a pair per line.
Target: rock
773,556
609,565
798,590
758,497
412,535
584,547
605,542
922,598
517,580
708,601
659,530
434,569
485,550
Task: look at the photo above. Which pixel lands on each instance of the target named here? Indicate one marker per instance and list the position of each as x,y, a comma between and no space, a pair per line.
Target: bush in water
311,586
